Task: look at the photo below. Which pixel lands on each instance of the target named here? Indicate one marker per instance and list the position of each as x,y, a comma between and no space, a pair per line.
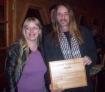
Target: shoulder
14,47
85,31
47,27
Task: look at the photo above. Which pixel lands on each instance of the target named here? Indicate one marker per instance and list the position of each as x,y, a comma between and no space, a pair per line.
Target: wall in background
89,9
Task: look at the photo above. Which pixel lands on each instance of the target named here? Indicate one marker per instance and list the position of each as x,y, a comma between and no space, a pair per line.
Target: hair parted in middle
23,40
72,24
26,23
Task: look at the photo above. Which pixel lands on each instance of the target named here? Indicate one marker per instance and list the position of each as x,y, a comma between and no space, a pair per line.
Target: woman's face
32,32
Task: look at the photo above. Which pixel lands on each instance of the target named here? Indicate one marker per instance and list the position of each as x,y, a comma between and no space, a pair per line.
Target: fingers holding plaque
66,74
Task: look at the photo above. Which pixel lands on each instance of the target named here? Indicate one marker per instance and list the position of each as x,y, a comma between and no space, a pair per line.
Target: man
46,29
67,41
100,53
98,42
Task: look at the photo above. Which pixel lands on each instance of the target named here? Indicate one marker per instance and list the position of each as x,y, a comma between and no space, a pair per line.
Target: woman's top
32,78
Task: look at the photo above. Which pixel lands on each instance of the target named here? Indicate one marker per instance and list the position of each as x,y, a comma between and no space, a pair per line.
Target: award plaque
66,74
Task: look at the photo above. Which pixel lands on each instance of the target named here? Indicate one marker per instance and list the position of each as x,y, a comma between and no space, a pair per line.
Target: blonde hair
23,40
72,25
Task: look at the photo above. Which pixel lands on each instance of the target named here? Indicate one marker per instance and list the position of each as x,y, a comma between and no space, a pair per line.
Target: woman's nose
31,29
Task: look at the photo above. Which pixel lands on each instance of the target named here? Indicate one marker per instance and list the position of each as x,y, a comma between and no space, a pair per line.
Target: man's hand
87,60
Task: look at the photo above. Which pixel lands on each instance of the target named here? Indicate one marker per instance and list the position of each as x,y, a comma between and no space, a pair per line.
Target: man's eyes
59,14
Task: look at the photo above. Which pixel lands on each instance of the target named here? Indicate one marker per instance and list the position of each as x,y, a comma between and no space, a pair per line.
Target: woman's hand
87,60
55,90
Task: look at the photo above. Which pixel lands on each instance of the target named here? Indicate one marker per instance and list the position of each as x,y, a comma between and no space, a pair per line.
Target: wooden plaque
66,74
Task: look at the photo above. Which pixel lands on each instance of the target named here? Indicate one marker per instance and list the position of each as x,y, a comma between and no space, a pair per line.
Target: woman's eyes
34,28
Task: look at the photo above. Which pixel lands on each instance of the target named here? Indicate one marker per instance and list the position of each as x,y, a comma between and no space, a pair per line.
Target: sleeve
10,69
47,50
90,46
48,57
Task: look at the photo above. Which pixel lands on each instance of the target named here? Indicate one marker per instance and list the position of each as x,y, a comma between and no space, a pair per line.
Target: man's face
63,16
94,32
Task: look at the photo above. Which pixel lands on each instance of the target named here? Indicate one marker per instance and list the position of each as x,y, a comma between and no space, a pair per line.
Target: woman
25,68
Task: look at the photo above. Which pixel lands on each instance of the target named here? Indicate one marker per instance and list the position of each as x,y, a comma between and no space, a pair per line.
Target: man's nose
63,16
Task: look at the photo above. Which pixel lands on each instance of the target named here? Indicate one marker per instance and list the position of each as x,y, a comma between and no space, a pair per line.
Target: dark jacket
46,29
53,53
11,73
